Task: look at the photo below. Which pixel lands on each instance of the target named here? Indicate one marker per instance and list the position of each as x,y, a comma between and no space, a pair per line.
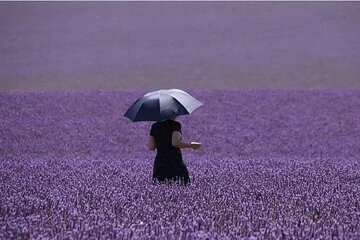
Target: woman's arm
176,140
152,143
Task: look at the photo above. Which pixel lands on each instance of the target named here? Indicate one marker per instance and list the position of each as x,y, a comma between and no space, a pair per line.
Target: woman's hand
195,145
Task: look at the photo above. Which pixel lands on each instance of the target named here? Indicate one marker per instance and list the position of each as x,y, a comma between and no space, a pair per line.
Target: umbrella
162,104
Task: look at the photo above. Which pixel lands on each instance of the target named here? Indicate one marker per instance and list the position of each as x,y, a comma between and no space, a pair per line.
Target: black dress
168,163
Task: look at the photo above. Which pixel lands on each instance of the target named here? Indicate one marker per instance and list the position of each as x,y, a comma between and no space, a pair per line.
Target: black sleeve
177,127
152,130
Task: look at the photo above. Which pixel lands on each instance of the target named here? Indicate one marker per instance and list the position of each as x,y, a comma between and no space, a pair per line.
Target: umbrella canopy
162,104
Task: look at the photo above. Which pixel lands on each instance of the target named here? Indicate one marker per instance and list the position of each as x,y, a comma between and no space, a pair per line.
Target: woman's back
162,132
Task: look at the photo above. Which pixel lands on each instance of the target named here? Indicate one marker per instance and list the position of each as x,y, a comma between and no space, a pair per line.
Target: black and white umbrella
162,104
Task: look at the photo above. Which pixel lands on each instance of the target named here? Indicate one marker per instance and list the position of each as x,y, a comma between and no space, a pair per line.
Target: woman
165,136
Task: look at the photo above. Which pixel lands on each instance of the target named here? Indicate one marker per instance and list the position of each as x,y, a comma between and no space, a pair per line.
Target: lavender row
232,122
72,167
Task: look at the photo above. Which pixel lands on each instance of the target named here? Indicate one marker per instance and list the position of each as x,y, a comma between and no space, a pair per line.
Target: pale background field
188,45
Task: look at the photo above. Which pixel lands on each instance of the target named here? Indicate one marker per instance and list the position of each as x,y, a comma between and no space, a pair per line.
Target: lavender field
274,164
280,126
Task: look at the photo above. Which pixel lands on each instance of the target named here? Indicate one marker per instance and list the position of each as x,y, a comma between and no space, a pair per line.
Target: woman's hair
168,119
